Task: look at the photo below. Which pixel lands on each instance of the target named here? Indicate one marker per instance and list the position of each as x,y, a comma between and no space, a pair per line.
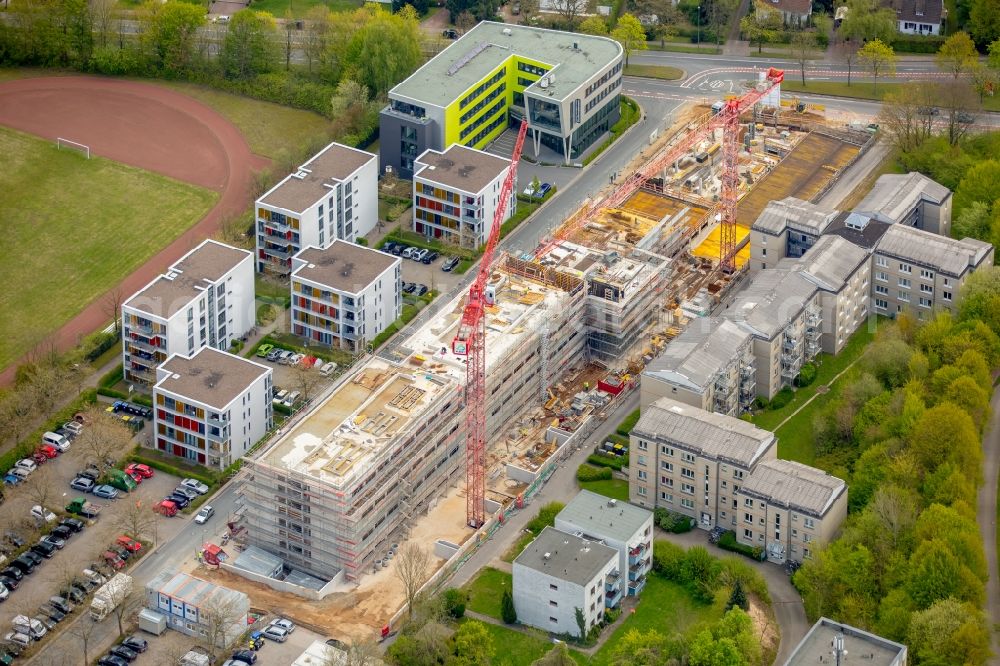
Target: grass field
858,89
486,591
655,72
521,648
614,488
299,8
75,227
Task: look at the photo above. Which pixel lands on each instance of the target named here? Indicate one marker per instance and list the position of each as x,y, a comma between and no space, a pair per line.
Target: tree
979,184
557,656
359,653
593,25
454,603
529,9
640,648
957,55
705,650
867,20
104,438
849,54
103,13
984,21
630,34
126,600
507,611
314,36
472,645
136,520
738,598
411,570
83,631
305,379
170,38
949,632
223,620
248,49
43,486
581,623
879,58
901,119
760,27
980,297
426,646
719,12
384,51
960,103
935,574
465,22
803,50
571,10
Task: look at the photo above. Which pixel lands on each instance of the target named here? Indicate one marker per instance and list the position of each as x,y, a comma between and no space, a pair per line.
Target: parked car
128,543
190,493
279,396
195,485
145,471
203,515
43,548
12,572
409,287
543,190
35,558
82,483
61,604
27,464
41,513
48,451
24,640
285,357
94,576
420,290
113,560
39,458
74,428
292,398
123,652
56,440
274,354
929,111
73,524
122,406
429,258
91,473
419,254
965,117
328,369
51,612
263,350
14,538
276,634
529,191
281,622
4,593
112,660
48,623
181,501
105,491
408,252
246,656
61,532
25,564
136,644
56,542
73,594
399,249
449,264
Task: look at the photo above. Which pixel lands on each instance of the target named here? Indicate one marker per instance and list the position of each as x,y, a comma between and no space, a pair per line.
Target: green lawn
299,8
486,590
685,46
516,548
655,72
268,128
519,648
857,89
613,488
75,228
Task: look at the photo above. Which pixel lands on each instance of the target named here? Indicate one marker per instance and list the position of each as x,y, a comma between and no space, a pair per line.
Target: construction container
152,622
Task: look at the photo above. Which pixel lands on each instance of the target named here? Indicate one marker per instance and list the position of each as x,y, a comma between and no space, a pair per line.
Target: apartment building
198,608
205,299
558,573
788,509
910,199
919,271
786,228
345,294
692,461
456,194
333,195
782,310
710,365
832,642
622,526
211,407
567,84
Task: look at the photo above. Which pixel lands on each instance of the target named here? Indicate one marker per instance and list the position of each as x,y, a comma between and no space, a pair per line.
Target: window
687,488
904,283
666,466
809,523
725,484
905,297
748,534
748,518
737,474
641,460
926,274
905,268
687,504
747,502
553,587
882,262
553,603
593,590
687,457
881,277
687,473
925,302
926,289
879,289
641,491
667,451
642,475
946,295
643,445
667,497
667,481
881,304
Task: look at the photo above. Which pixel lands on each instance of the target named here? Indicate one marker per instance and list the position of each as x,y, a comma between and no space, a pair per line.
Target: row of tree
906,430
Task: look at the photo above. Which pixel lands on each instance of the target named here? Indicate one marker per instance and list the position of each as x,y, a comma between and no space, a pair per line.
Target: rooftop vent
546,556
612,502
464,60
348,269
508,32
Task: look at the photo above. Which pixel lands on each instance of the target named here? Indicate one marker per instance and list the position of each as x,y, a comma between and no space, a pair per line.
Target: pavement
986,516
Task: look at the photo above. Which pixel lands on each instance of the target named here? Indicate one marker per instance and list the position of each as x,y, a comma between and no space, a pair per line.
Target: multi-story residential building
625,527
919,271
710,366
568,85
345,294
456,194
788,509
786,228
910,199
198,608
558,573
211,407
206,298
830,642
692,461
333,195
782,310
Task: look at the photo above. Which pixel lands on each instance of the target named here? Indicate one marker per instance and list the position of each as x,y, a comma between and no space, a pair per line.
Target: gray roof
830,263
924,248
566,557
209,376
258,560
894,195
794,485
695,358
706,433
858,228
597,516
194,591
796,214
862,647
919,11
344,266
186,279
446,76
771,301
460,168
301,190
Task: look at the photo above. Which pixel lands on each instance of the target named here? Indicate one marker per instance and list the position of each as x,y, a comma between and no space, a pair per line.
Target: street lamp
698,20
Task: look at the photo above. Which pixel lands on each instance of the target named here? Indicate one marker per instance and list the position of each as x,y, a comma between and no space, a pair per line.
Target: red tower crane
727,119
470,341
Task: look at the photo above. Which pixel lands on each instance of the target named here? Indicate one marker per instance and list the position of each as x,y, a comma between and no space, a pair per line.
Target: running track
146,126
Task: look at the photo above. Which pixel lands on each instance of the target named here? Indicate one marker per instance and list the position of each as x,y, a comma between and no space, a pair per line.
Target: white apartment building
206,298
456,194
625,527
211,407
692,461
345,294
333,195
558,573
789,509
829,641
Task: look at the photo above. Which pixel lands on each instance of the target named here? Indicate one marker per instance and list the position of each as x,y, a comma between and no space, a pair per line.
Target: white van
56,440
30,626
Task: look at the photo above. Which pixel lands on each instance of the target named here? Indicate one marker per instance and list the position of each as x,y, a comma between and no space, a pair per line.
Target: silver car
203,515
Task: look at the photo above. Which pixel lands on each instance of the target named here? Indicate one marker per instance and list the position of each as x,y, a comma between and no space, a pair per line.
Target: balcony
143,329
613,581
277,252
219,449
278,226
612,598
812,317
748,371
790,344
218,423
144,346
636,587
812,348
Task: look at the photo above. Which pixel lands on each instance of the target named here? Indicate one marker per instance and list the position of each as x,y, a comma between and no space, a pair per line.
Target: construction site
382,459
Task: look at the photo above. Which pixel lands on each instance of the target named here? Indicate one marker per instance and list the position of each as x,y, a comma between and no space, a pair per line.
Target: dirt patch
765,627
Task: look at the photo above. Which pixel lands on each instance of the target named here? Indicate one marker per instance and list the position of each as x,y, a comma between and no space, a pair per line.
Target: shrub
673,522
782,398
112,377
667,559
112,393
454,603
807,375
96,344
917,44
362,241
728,542
760,402
282,409
602,460
236,347
585,473
546,517
144,400
625,427
507,611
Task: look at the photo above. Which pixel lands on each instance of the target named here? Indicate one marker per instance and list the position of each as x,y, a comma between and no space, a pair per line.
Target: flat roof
566,557
343,266
470,59
259,561
946,255
320,654
187,278
302,189
460,168
193,591
794,485
710,434
861,646
597,516
698,355
209,376
771,301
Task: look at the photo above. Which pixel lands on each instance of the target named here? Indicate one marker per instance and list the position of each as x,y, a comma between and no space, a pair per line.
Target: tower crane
728,120
470,341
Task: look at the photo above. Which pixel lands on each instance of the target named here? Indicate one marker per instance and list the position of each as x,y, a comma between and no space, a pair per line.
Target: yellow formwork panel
709,247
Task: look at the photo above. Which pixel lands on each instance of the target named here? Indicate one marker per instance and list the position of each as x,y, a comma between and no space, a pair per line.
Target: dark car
91,473
543,190
246,656
111,660
125,653
44,548
34,557
420,290
14,538
389,247
72,523
12,572
51,612
123,553
449,265
53,540
73,594
966,117
9,582
25,564
61,604
178,499
430,258
398,249
61,532
136,644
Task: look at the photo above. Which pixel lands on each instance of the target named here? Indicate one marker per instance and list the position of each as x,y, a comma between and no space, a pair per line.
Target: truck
121,480
81,507
109,596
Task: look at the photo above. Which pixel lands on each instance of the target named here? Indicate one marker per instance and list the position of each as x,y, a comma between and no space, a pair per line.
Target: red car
136,477
49,451
39,458
145,471
128,543
113,561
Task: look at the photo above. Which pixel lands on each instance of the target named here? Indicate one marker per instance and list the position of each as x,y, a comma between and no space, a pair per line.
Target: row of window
604,93
481,104
480,88
600,82
925,274
485,131
531,69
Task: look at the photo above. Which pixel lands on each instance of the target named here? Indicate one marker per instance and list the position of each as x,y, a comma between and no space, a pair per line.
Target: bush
728,542
667,559
144,400
546,517
30,442
112,377
454,603
96,344
673,522
362,241
612,462
112,393
917,44
282,409
585,473
760,402
626,426
236,347
806,376
782,398
507,611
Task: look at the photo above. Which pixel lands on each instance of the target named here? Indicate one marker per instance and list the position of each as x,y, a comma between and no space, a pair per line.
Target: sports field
73,228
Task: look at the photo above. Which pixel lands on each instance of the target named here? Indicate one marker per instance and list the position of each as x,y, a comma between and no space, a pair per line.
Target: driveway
986,515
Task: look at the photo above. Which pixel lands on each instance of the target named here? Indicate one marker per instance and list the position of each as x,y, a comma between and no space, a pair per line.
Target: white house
919,17
558,573
345,294
333,195
206,298
211,407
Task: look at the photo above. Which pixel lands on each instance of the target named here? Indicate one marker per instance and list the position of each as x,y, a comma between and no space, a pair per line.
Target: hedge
282,409
112,377
112,393
626,426
587,472
728,542
782,398
97,343
416,240
611,462
917,44
138,457
27,445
